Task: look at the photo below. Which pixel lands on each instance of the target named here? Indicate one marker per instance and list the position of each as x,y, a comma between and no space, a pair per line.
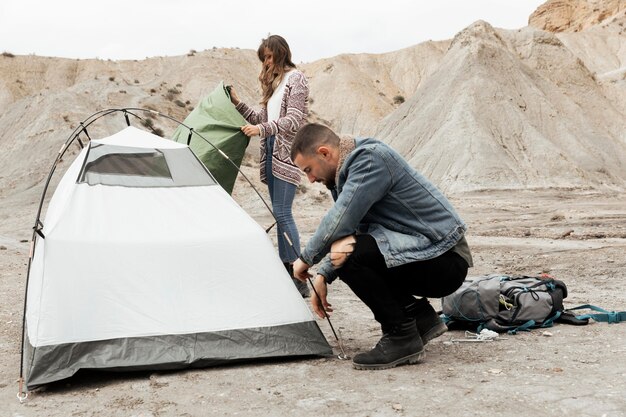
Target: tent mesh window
143,167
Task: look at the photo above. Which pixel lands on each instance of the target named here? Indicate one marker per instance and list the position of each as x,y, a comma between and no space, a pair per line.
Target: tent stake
21,394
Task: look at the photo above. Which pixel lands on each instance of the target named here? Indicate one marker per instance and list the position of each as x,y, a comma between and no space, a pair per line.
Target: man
390,235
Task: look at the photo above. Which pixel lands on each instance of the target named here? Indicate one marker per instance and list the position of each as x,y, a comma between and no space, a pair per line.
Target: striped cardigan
293,112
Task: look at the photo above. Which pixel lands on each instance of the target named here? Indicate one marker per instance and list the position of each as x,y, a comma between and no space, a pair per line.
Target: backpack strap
524,327
604,316
529,325
567,317
495,326
532,324
549,322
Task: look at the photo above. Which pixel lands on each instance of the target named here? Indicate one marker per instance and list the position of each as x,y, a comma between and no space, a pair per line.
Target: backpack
505,303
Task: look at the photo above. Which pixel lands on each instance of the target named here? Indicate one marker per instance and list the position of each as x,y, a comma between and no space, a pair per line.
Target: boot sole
410,360
434,333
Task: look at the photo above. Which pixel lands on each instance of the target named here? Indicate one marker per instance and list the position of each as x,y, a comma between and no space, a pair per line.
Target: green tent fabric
218,121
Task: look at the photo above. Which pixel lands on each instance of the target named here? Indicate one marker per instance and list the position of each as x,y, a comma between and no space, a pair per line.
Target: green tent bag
216,119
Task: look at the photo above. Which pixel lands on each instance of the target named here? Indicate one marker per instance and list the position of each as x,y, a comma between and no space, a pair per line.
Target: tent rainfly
146,263
216,119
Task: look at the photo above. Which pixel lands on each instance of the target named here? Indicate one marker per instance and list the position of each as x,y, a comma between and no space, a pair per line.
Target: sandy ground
576,235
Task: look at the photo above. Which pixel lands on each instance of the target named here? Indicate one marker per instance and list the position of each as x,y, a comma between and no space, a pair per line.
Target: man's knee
341,250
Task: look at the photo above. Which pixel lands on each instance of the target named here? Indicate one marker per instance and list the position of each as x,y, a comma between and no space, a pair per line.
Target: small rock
3,247
397,407
546,334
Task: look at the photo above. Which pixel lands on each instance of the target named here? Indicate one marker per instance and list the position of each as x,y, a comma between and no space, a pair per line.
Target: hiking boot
401,345
303,289
429,325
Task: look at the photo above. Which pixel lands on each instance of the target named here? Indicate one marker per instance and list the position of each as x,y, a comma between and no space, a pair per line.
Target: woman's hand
251,130
234,98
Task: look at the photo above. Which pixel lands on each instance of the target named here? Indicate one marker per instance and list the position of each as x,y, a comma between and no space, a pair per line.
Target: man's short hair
310,137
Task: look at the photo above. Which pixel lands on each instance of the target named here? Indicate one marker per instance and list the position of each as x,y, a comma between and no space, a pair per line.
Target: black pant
386,291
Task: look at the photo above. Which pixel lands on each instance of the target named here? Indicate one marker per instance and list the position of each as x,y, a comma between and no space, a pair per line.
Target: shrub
398,100
171,94
8,54
179,103
111,78
147,123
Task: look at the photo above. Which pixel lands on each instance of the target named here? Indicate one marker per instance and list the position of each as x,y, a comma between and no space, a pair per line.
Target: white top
273,104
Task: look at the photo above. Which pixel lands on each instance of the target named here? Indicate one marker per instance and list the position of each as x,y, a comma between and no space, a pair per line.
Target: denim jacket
378,193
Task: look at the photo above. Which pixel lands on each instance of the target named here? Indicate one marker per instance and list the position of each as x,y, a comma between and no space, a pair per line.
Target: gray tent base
55,362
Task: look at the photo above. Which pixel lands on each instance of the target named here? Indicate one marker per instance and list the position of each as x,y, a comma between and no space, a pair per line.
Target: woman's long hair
272,75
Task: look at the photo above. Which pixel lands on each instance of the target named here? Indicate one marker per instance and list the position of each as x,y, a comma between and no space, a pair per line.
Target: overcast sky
136,29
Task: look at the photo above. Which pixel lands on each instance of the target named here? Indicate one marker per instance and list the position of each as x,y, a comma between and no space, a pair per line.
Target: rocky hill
489,109
512,109
575,15
352,93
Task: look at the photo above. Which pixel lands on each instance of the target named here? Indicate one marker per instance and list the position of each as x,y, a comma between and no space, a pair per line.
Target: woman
283,110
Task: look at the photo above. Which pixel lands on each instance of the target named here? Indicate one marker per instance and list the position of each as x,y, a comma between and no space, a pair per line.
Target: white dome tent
144,262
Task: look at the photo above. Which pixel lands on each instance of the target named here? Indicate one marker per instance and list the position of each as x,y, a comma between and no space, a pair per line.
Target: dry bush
398,99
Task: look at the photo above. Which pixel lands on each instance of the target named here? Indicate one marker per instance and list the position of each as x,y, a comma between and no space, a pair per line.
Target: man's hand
320,303
301,270
341,250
